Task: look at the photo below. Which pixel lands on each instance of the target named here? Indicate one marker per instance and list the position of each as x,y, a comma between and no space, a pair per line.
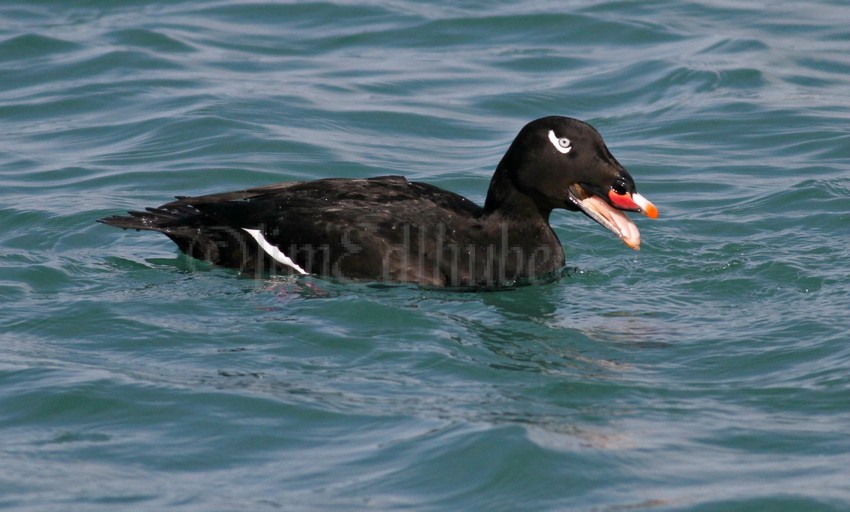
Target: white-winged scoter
389,229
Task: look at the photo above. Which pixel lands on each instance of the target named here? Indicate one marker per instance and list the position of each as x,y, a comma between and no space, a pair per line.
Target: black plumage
392,230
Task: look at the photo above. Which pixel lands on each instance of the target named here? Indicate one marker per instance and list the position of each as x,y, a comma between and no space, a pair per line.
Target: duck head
560,162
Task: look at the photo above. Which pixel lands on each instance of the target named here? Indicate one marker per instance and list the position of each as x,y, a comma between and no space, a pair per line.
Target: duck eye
563,144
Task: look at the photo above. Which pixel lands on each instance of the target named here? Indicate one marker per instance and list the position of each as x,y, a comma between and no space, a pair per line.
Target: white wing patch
273,251
563,145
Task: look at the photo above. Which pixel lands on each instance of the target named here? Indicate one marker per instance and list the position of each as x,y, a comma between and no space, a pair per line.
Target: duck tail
189,228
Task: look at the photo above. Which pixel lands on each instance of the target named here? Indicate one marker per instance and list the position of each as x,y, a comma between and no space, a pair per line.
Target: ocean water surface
708,372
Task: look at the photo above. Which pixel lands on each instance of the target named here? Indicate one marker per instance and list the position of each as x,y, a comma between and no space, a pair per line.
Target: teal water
708,372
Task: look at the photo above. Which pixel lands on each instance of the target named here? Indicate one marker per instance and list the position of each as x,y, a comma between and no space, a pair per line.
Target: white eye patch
562,144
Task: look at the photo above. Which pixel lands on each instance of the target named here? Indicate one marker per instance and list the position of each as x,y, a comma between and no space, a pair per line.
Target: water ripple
136,376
